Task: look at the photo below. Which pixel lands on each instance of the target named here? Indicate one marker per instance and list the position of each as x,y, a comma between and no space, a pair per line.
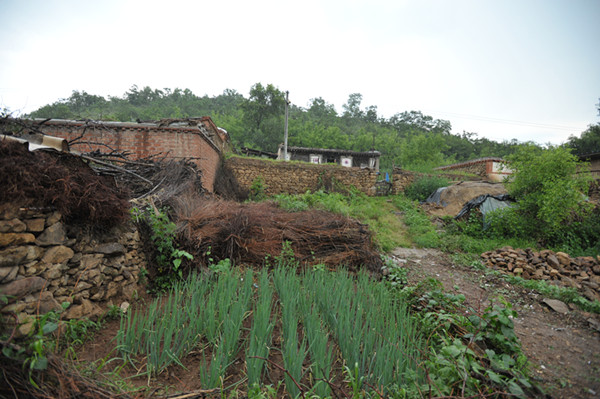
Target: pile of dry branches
58,380
252,232
59,180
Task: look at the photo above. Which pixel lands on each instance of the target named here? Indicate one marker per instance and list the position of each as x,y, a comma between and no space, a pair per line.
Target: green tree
263,115
321,111
588,142
549,187
422,152
352,106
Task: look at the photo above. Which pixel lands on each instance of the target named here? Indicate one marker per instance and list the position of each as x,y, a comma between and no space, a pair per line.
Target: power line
510,121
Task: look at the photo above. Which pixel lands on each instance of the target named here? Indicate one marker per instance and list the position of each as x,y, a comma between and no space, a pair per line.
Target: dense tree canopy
588,142
409,139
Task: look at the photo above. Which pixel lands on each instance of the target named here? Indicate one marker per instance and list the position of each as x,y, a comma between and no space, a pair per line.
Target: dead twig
116,168
282,369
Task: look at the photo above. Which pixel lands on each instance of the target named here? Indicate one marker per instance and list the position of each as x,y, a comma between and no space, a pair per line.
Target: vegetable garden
331,325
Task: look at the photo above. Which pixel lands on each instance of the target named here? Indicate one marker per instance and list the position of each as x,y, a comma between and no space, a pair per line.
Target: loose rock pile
582,273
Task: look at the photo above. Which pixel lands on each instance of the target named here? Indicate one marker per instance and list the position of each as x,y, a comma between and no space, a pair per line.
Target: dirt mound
62,181
453,198
254,232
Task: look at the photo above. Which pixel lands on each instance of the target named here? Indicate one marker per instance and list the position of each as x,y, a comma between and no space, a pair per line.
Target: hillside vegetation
409,139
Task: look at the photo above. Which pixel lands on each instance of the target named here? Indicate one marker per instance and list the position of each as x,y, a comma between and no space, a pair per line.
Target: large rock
552,261
112,290
53,235
19,288
12,226
556,305
90,261
18,255
54,271
8,274
53,218
110,249
58,254
35,225
563,258
7,239
86,309
47,303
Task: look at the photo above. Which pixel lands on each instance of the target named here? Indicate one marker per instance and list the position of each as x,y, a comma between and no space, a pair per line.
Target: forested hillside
408,139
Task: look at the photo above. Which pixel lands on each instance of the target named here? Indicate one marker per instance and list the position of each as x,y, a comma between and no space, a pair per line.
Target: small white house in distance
347,158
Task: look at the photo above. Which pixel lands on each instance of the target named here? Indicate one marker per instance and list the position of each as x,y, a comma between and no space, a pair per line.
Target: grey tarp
436,197
486,203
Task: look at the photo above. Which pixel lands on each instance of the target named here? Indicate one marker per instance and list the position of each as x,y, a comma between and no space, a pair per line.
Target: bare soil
564,350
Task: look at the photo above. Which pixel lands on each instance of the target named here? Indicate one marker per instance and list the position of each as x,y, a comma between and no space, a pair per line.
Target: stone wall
45,262
401,179
476,168
298,177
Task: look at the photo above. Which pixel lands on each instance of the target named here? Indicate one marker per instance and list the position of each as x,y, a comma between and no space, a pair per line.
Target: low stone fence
297,177
45,262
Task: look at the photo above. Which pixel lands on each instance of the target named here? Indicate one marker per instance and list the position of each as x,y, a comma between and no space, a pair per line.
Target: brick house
594,161
490,168
197,139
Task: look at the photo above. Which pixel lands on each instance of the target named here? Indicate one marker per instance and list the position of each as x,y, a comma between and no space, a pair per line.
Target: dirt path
563,349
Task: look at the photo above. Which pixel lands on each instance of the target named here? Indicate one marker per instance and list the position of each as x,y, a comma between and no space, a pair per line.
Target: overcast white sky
523,69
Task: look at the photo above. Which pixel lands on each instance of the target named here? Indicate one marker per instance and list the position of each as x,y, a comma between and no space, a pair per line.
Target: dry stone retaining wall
45,262
401,179
298,177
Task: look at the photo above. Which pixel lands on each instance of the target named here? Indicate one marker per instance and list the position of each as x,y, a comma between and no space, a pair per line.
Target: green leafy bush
422,187
167,256
257,189
549,187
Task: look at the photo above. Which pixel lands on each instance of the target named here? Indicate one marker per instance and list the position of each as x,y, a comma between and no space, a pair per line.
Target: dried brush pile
62,181
158,176
253,232
59,381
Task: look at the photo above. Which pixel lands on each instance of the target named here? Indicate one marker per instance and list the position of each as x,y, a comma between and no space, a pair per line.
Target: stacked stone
582,273
44,262
298,177
401,178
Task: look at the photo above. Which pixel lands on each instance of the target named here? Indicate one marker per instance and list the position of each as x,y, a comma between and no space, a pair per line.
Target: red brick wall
143,141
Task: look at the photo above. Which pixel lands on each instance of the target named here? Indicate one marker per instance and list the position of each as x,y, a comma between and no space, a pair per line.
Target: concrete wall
298,177
200,144
44,262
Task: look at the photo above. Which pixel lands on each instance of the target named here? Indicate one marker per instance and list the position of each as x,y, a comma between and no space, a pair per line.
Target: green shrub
167,255
549,187
257,189
422,187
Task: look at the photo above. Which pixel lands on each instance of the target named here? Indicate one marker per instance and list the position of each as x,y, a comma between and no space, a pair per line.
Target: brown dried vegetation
59,180
253,232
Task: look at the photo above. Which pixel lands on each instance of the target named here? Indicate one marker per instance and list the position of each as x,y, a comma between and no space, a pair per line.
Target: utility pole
285,132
